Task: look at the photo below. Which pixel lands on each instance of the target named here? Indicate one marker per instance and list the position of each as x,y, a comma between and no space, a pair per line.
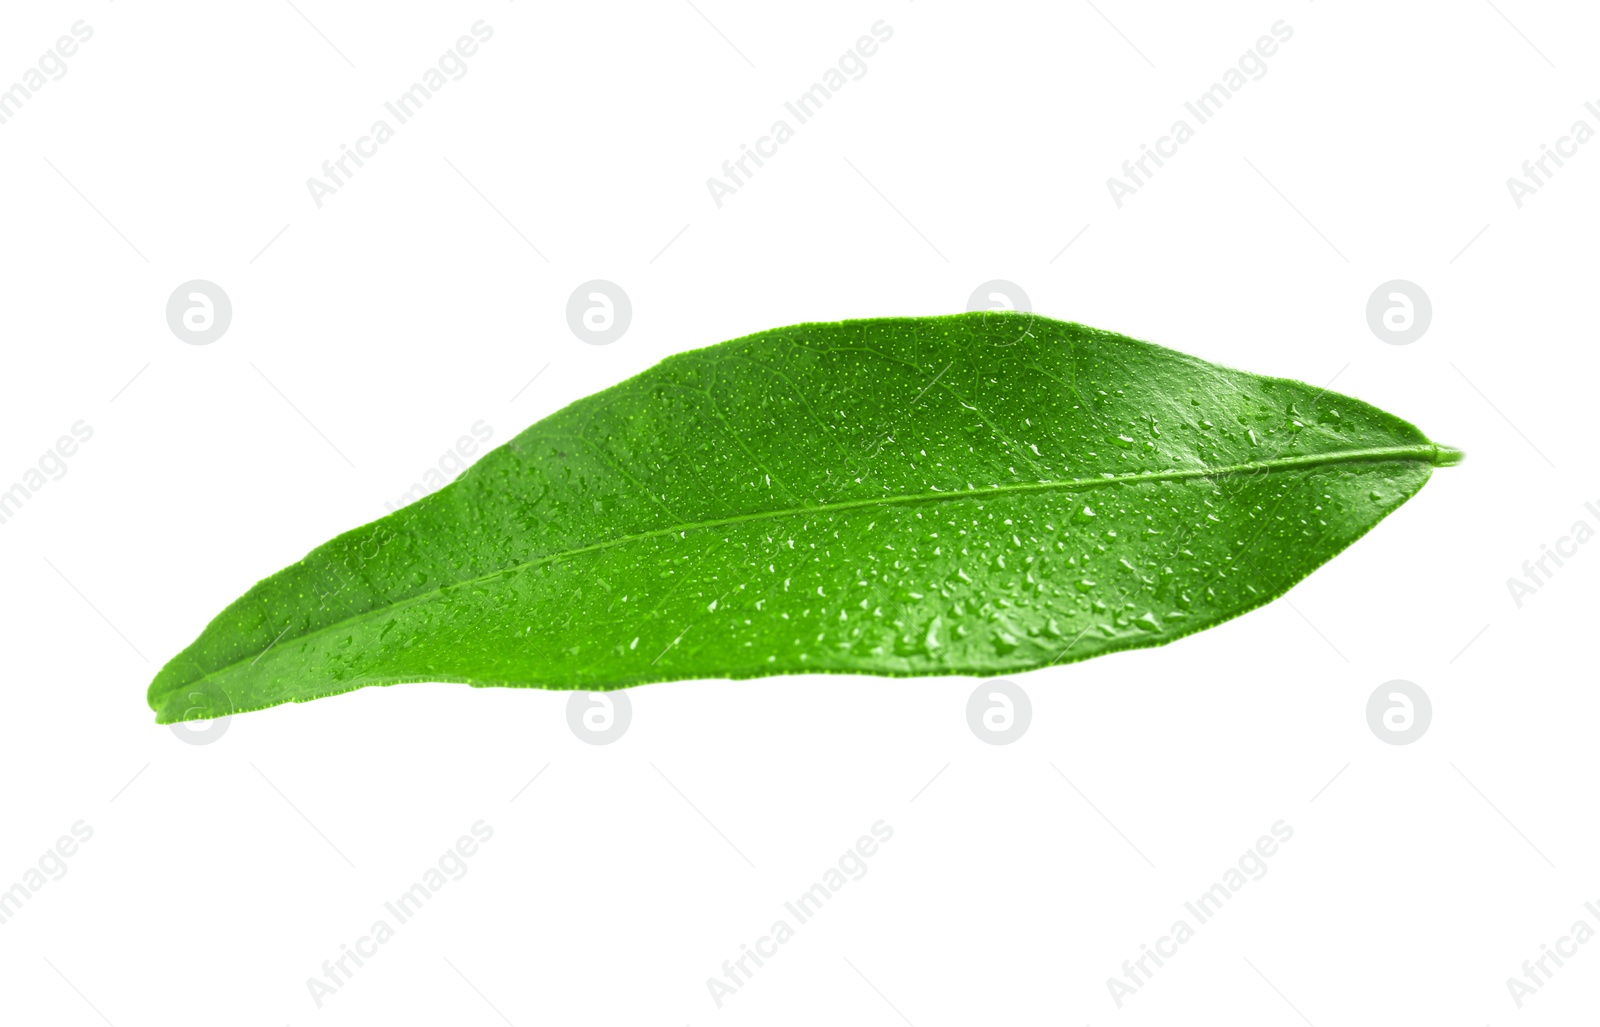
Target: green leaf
974,494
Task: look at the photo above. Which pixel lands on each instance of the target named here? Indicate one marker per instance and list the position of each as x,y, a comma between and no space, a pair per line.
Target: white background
369,334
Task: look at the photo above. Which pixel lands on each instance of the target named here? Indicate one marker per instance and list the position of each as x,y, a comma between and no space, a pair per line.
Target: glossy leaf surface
973,494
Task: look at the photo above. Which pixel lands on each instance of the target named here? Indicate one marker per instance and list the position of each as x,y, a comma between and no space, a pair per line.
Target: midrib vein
1431,453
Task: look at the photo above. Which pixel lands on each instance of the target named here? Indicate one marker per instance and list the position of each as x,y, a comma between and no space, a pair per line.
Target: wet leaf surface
972,494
